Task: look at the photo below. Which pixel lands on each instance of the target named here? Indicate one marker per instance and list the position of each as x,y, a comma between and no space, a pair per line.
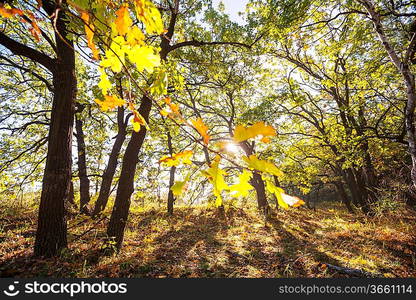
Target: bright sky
233,7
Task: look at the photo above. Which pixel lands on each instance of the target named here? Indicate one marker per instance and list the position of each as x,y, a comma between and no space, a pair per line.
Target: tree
51,232
403,65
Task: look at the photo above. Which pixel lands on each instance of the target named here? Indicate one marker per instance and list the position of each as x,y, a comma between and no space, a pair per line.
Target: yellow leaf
202,129
144,57
243,186
104,83
150,16
178,158
278,192
115,56
262,165
135,36
112,61
110,102
180,186
123,20
160,83
242,133
284,200
215,176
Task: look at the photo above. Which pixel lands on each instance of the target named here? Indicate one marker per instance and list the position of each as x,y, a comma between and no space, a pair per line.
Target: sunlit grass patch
195,242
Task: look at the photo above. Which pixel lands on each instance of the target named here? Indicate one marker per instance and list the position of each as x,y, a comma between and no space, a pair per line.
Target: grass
197,242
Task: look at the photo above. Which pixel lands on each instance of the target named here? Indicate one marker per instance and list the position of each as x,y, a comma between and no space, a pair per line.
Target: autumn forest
190,138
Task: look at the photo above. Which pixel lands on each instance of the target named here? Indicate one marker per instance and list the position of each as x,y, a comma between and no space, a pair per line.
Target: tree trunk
258,185
409,80
276,183
349,178
110,170
126,182
343,196
363,191
51,234
409,117
257,182
71,197
171,197
84,182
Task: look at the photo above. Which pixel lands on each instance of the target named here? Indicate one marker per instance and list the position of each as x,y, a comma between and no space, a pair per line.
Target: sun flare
231,147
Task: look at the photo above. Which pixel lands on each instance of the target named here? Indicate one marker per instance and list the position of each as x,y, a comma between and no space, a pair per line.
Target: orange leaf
34,33
89,31
202,129
9,12
176,159
138,121
123,21
110,102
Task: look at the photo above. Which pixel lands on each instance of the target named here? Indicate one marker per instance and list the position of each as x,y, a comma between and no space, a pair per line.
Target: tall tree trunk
51,234
125,188
258,185
409,119
110,170
71,197
70,204
349,179
171,197
408,77
256,181
84,182
276,183
363,191
343,196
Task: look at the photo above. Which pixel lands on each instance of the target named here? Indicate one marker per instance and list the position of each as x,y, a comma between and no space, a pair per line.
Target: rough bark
343,196
276,183
125,188
357,189
51,234
408,77
84,182
256,181
171,197
110,170
71,197
258,184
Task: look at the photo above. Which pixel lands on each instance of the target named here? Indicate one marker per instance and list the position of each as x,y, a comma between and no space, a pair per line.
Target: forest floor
197,242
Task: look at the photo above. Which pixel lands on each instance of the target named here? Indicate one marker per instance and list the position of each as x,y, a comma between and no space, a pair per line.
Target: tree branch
23,50
195,43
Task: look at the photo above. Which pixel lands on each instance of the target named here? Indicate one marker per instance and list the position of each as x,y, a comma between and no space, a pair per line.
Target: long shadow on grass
171,254
296,249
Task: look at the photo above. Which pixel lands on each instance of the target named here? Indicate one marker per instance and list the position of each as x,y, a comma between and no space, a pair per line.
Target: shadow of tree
198,243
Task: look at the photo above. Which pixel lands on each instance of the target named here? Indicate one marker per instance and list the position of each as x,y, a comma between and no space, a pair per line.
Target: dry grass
197,242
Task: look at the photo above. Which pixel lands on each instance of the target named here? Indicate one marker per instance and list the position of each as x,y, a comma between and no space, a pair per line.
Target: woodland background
166,139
